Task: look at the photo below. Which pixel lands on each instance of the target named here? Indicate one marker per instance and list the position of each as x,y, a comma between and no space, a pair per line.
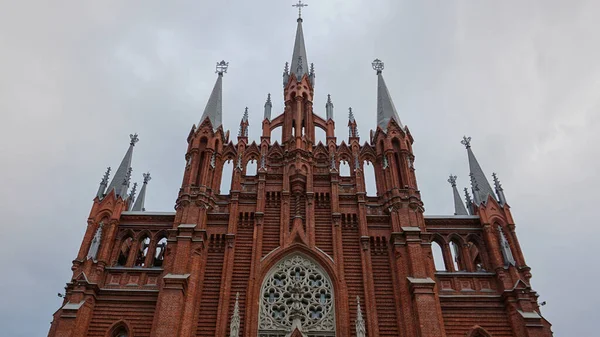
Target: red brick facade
375,248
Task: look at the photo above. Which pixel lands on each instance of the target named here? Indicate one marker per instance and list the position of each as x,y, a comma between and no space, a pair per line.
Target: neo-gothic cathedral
296,248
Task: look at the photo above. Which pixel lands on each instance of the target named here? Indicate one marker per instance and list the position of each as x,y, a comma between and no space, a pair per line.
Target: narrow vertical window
159,254
455,251
344,169
142,253
370,180
438,256
251,167
124,251
226,176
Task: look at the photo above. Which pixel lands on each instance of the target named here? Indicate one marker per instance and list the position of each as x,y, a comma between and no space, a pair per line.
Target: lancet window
296,294
124,251
159,253
142,253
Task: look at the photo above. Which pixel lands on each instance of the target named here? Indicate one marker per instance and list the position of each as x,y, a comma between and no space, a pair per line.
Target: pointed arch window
438,256
456,256
124,251
251,167
159,253
344,168
370,179
142,253
226,177
297,292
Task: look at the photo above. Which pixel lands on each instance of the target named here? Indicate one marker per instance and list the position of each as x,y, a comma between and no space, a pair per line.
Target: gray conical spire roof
139,202
386,111
481,186
122,174
299,62
459,208
214,107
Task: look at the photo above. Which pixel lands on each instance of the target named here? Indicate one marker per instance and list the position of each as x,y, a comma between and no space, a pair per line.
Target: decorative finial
466,141
221,67
147,177
245,118
350,114
269,97
328,98
286,68
134,139
377,66
300,5
452,180
312,69
104,180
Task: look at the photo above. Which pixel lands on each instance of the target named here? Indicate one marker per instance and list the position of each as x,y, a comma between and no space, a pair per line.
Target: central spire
299,62
386,111
214,107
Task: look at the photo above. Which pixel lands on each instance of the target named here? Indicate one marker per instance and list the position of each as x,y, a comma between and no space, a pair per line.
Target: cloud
77,78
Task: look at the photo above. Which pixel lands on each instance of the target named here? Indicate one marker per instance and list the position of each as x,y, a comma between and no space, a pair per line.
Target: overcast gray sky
520,77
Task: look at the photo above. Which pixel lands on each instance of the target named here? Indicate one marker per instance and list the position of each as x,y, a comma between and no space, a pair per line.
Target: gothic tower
298,247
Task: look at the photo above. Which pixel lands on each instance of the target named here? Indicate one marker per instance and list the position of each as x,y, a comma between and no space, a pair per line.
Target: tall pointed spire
103,184
481,186
139,202
459,208
121,175
329,107
386,111
300,65
214,107
268,107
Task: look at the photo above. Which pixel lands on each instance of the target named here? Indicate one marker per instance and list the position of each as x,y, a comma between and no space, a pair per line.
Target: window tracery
297,293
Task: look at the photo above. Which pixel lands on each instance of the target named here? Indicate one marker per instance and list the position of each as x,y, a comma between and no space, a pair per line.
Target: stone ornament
297,293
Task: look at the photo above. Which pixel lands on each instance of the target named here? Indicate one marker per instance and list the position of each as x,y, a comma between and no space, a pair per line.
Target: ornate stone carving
296,292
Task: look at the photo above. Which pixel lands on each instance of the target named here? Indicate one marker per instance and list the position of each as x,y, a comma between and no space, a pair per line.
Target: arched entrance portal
296,297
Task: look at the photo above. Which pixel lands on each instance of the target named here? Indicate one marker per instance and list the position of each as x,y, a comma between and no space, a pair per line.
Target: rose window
296,293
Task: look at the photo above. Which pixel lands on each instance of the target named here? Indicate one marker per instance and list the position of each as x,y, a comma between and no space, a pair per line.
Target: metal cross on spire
221,67
300,5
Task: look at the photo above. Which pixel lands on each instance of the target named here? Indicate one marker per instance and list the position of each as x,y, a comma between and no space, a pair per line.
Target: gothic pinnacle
499,189
103,184
459,208
329,108
268,107
132,195
139,202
